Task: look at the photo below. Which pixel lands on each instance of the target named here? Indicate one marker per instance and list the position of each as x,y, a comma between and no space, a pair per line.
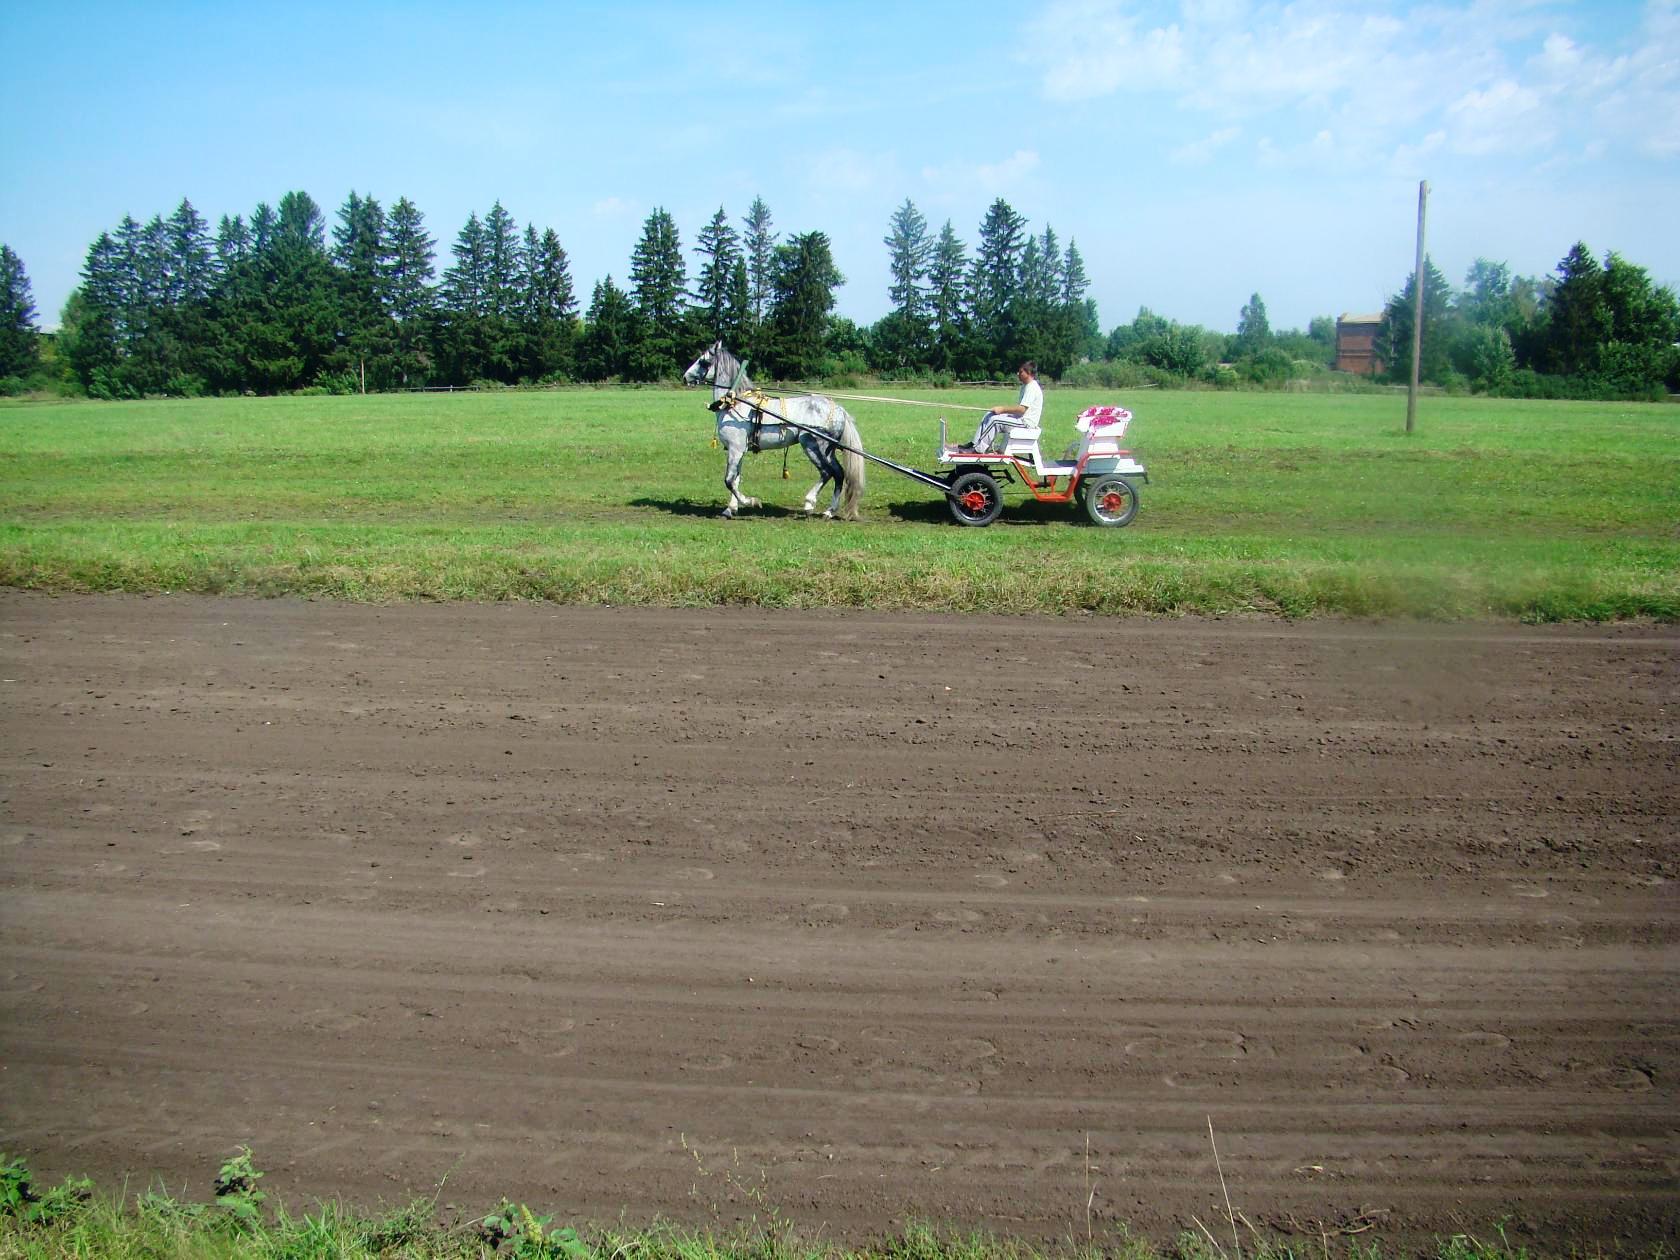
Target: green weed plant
81,1223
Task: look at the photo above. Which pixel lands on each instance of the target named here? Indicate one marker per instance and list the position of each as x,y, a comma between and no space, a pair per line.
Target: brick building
1356,344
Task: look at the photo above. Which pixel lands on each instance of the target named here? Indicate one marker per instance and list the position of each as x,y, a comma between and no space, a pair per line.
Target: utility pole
1417,307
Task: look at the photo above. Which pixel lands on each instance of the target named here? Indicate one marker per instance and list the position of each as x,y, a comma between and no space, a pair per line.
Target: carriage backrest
1102,427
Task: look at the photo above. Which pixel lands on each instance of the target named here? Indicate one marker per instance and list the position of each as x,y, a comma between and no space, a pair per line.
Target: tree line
283,301
1593,330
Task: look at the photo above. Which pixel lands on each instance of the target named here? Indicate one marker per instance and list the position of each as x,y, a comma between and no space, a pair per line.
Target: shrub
1107,374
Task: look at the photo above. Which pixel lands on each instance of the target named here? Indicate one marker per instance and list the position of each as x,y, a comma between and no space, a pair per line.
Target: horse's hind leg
828,468
814,492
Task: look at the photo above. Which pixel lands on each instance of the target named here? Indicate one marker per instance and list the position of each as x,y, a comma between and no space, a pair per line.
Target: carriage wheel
1111,500
975,498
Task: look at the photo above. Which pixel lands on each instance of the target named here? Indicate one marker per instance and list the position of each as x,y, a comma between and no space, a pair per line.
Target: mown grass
1291,504
74,1221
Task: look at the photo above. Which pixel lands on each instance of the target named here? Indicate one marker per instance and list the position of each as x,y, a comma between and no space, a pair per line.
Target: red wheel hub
973,501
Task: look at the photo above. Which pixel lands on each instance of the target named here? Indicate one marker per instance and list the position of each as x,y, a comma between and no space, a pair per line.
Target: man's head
1026,370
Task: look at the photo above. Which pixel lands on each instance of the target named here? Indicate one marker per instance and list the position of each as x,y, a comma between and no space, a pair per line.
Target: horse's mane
727,370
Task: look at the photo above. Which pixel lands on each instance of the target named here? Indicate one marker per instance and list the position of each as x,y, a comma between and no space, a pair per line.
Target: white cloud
1201,152
1092,48
1321,151
956,181
1497,77
842,170
1408,159
1505,118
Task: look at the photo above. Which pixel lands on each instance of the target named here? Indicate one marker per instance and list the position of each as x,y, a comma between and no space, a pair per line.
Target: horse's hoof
728,514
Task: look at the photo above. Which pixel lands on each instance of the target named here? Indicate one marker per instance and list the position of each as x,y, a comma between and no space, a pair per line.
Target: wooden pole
1417,308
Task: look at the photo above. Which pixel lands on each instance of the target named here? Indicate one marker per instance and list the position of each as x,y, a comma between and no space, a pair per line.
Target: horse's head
703,371
718,368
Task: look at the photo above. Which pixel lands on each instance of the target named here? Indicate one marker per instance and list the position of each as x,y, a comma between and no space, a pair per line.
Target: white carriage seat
1022,442
1101,429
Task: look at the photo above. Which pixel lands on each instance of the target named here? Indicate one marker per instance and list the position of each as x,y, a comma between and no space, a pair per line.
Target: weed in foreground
72,1221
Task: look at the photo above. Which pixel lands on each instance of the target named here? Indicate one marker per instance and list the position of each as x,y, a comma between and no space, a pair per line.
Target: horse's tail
852,464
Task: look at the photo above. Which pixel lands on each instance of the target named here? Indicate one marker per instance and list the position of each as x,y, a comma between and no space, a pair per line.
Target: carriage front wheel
975,498
1111,500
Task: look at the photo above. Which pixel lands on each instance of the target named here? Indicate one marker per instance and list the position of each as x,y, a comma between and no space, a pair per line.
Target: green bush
1107,374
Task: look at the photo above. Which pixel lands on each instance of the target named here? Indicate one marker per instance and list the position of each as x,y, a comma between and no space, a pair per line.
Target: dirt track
856,917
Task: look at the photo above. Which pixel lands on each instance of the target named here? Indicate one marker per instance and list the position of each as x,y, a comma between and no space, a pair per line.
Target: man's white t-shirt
1032,397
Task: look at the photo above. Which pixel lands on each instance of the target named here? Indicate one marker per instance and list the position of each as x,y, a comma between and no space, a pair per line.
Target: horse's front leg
732,480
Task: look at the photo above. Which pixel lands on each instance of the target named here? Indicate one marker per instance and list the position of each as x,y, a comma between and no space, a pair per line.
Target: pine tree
297,316
996,286
233,243
264,224
361,252
720,246
408,285
658,282
503,294
461,333
408,263
501,263
301,224
91,339
803,296
192,264
758,244
19,338
737,318
550,306
1074,280
904,336
610,334
1578,319
1394,336
1043,332
1085,332
1042,280
948,301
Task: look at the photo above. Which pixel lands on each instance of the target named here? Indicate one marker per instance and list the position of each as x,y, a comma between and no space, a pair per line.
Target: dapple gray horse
745,425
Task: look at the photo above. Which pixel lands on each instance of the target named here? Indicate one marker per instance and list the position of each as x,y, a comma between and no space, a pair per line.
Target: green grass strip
73,1221
1294,505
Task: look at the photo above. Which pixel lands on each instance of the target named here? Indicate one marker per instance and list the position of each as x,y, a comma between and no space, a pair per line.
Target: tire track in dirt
856,917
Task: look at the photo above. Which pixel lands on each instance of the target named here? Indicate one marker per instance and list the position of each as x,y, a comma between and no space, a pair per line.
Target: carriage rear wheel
1111,500
975,498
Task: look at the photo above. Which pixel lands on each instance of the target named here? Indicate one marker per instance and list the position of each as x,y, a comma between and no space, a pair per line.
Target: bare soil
852,918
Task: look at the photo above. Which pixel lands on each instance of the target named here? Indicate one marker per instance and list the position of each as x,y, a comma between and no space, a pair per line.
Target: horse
751,421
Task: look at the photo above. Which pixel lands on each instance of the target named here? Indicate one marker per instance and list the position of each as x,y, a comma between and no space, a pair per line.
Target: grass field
1290,504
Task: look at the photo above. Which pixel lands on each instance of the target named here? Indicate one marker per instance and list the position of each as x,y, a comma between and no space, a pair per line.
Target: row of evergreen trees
278,303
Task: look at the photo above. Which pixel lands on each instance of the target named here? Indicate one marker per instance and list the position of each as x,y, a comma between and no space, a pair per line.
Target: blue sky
1198,151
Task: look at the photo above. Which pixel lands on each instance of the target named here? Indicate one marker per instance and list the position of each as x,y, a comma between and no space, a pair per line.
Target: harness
762,411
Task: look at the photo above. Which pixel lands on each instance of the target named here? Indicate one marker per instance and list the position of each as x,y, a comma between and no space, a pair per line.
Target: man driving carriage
1024,413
